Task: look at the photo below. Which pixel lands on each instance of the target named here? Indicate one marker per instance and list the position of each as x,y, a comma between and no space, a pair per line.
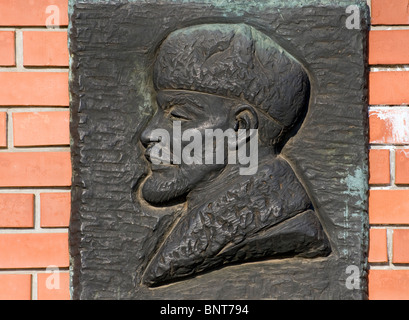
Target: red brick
55,209
389,125
35,250
16,210
389,88
378,250
400,246
31,12
402,167
44,48
3,129
53,286
388,284
390,12
34,89
389,47
15,286
35,169
379,168
41,128
389,207
7,48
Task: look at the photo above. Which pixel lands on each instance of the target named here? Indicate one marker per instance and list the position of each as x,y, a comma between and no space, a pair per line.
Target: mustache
152,156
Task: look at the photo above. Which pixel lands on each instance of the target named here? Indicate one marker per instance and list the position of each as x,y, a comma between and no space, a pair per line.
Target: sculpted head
219,76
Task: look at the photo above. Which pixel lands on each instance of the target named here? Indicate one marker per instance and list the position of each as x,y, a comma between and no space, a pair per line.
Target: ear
246,118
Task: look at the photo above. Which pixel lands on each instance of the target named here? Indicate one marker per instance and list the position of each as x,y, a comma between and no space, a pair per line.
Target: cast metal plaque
219,149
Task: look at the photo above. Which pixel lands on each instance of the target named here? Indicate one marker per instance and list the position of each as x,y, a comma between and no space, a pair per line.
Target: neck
230,175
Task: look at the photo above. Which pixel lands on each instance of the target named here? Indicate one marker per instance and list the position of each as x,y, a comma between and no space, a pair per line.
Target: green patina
238,7
357,184
233,4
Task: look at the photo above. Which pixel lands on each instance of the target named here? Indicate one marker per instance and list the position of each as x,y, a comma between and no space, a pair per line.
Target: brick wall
389,150
35,168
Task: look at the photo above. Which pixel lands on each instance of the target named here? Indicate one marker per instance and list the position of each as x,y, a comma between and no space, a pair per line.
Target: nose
147,138
148,141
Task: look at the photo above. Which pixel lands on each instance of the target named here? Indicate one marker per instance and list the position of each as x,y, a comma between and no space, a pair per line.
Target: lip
148,154
157,167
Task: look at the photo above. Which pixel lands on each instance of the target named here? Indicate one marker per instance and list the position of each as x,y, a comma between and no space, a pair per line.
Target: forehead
168,98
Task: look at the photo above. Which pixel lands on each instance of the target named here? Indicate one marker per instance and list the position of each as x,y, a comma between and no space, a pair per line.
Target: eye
178,114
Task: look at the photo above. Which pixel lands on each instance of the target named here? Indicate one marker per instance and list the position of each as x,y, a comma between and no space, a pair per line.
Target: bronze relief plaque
219,149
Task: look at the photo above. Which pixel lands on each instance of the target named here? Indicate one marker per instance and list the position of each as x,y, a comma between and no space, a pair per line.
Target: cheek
220,120
196,143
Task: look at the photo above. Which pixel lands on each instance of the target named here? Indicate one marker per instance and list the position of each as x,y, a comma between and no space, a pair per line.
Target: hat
235,61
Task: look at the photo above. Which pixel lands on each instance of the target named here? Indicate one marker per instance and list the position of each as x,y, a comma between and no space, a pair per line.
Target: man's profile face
169,183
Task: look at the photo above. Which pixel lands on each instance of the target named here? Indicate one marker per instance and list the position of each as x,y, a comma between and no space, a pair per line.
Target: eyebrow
180,100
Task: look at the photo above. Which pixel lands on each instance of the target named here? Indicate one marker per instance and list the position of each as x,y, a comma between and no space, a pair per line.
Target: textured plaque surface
295,71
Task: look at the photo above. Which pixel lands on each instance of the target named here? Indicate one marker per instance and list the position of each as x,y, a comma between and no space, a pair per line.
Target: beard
171,185
167,187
